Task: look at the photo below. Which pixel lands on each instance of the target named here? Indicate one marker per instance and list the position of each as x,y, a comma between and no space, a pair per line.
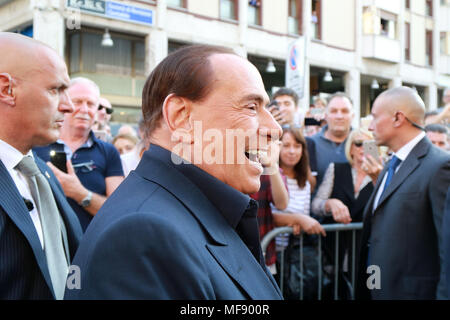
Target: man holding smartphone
94,169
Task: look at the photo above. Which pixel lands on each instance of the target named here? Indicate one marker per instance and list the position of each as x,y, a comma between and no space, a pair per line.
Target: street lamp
107,41
327,77
270,67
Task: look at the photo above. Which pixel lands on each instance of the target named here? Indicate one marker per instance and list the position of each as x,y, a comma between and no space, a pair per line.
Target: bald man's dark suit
405,229
23,267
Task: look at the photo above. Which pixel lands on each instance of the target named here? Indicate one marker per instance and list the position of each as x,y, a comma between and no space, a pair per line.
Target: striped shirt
299,202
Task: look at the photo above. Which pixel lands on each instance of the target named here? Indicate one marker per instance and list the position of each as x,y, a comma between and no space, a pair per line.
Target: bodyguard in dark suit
39,232
181,226
402,234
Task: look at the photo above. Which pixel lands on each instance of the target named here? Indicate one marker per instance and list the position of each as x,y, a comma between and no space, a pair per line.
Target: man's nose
269,127
65,103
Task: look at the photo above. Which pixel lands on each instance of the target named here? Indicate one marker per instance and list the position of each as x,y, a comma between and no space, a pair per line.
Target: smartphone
371,148
59,160
311,122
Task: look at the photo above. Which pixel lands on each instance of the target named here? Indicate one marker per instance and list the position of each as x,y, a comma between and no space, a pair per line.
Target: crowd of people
172,213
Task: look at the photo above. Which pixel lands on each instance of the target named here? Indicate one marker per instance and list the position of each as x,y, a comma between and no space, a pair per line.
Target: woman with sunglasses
342,196
346,187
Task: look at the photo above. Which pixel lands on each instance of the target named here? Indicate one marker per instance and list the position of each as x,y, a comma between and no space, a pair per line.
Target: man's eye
252,106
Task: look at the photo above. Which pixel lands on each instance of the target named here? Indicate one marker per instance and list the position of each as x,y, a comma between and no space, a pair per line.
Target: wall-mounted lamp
107,41
327,77
374,84
270,67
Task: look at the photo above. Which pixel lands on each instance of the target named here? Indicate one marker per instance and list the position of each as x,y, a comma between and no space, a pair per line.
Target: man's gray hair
87,81
339,94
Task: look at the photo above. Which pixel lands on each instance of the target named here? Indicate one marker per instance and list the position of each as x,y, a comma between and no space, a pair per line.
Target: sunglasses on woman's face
358,143
108,110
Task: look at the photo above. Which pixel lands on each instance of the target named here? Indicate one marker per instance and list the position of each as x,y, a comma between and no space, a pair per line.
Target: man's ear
399,119
6,90
176,113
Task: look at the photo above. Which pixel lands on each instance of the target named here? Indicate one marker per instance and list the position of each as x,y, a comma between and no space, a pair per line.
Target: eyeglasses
358,143
108,110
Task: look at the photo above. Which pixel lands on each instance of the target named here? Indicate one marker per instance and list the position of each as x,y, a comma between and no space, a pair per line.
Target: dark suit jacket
23,267
158,237
405,229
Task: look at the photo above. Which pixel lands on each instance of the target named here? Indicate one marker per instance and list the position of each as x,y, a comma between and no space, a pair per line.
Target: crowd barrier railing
329,229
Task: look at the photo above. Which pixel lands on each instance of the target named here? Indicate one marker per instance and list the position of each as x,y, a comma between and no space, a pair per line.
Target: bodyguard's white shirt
402,154
11,157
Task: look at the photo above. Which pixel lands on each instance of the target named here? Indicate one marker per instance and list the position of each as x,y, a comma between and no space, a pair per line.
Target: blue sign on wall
114,10
128,13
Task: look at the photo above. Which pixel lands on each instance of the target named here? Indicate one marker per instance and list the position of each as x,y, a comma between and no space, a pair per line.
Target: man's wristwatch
87,200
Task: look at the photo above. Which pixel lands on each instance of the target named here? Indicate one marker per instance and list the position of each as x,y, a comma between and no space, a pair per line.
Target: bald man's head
406,100
397,114
22,56
33,92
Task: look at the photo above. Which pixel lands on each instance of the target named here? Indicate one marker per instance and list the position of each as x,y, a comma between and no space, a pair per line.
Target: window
229,9
254,12
177,3
429,7
316,19
429,47
295,17
407,41
126,58
407,4
388,24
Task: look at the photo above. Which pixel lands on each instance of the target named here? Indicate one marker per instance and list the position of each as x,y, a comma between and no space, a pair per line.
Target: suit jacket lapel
409,165
12,203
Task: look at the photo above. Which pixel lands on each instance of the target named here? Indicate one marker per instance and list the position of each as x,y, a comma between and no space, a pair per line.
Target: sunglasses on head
358,143
108,110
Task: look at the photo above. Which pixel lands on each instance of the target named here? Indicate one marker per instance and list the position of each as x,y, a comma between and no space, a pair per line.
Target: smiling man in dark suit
182,226
402,234
39,232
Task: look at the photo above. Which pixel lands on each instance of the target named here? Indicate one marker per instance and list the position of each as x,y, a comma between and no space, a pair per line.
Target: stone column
48,23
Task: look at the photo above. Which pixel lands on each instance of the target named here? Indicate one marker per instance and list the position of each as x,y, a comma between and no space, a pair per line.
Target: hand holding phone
370,148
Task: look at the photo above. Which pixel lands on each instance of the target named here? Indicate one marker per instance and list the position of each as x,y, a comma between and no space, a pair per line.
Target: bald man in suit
33,100
402,233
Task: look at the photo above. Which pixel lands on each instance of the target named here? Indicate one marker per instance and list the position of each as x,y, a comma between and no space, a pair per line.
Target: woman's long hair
302,167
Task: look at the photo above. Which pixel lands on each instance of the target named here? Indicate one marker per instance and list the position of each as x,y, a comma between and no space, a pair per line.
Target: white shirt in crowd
299,202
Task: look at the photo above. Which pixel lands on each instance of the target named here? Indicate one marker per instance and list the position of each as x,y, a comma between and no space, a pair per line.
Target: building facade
358,46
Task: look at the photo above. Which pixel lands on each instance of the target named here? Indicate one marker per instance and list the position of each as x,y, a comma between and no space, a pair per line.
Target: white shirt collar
404,151
10,156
